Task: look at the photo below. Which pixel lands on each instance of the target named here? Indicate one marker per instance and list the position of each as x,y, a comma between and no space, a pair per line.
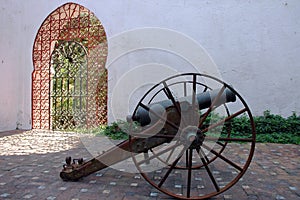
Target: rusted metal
177,134
69,24
208,160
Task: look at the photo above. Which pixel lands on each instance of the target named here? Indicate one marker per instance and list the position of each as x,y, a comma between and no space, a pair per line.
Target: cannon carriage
181,138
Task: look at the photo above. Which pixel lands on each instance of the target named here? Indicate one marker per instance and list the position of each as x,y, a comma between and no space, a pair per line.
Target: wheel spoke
194,91
223,158
211,106
212,178
190,157
156,155
170,154
202,154
187,158
229,139
184,89
171,168
171,97
220,143
221,122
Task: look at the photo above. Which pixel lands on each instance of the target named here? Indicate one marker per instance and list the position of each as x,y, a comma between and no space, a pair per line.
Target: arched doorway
69,86
69,81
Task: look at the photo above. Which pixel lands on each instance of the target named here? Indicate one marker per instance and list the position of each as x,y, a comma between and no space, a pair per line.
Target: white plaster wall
255,44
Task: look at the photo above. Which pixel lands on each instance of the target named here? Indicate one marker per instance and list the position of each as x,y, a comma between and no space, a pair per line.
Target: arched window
69,81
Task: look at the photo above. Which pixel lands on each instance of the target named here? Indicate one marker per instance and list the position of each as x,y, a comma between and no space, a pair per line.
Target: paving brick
30,163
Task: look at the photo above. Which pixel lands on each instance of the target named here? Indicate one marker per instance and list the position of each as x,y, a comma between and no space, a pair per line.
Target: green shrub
270,128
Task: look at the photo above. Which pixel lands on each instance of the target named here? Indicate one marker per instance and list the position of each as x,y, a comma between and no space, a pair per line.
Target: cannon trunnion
181,138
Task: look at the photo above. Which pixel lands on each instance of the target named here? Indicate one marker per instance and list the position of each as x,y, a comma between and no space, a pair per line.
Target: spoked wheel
198,153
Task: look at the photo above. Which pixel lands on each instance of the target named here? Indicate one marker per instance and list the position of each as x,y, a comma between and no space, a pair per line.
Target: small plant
119,130
114,132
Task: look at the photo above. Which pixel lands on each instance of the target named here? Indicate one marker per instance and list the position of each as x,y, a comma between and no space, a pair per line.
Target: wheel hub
192,137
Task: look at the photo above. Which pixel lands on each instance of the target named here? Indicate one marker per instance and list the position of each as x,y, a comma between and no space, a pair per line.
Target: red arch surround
70,22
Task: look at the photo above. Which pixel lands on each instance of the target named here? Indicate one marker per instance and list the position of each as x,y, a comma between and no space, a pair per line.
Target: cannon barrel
204,100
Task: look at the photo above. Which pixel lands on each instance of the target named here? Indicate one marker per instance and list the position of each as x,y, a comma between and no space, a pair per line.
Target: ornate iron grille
69,27
69,86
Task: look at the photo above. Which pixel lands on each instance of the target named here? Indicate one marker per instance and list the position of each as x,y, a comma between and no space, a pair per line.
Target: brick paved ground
30,163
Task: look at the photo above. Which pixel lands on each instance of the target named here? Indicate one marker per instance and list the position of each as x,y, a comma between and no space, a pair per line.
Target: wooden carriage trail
30,163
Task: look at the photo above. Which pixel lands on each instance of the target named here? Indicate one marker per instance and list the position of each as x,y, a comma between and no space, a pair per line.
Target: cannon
182,138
